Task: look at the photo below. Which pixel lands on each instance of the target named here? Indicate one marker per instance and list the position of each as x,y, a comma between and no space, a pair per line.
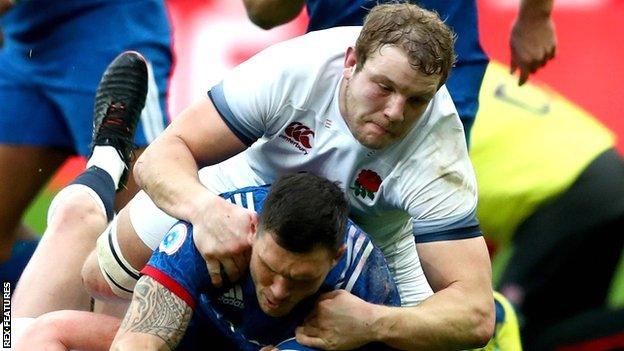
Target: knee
75,209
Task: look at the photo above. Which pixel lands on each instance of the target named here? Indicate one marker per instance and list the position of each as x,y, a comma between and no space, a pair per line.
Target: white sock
107,158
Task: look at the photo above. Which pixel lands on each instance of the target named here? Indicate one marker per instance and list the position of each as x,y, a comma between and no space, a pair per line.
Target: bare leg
52,280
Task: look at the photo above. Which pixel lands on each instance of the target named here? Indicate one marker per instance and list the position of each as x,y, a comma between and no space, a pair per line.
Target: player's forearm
535,9
450,319
267,14
167,171
155,320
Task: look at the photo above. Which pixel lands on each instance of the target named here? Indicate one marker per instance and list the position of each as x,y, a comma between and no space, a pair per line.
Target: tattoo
157,311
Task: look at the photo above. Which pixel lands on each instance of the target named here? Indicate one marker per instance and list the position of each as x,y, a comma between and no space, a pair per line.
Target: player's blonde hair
423,36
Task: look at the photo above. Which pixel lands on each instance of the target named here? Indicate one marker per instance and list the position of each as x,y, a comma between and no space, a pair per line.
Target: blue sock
102,183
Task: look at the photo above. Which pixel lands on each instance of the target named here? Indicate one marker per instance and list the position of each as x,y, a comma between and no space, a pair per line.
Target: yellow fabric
507,334
529,144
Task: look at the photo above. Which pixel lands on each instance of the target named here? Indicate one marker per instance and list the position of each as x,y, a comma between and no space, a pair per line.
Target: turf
35,216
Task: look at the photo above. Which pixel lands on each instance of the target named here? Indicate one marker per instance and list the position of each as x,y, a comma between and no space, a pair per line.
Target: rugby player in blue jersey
303,246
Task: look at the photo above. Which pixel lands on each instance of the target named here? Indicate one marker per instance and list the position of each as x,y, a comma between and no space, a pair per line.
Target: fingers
234,266
224,241
551,54
311,319
330,295
531,48
308,336
524,76
531,67
513,66
214,270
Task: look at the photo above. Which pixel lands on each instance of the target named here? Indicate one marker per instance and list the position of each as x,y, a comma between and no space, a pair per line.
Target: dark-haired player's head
299,240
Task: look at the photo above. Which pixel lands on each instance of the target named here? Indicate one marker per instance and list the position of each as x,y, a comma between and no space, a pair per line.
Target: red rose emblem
369,180
366,184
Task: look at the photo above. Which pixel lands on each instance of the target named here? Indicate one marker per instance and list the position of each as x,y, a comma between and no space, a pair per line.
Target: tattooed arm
156,319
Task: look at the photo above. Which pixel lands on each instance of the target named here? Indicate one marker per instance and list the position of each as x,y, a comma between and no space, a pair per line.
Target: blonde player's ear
350,63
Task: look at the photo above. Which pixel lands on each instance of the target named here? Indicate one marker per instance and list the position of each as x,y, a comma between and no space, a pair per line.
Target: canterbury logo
299,135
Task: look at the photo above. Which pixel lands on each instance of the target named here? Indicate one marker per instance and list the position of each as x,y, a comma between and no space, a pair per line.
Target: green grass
35,216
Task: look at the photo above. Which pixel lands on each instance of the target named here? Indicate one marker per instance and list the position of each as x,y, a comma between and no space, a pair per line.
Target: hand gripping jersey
284,103
233,309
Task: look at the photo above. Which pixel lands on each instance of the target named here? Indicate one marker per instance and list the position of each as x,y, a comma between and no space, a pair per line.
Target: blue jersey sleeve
178,266
364,271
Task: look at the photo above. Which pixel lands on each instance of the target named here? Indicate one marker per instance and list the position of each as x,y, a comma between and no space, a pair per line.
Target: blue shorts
53,59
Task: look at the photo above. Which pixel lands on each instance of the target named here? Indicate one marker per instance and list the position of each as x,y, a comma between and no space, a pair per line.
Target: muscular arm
167,170
533,41
156,319
267,14
460,315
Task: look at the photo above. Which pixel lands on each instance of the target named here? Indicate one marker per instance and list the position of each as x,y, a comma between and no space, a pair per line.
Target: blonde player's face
283,278
382,100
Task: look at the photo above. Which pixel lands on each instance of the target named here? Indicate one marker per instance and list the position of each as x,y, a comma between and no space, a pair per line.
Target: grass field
35,217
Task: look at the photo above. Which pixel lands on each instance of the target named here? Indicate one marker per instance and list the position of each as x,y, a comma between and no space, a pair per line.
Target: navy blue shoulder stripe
218,100
451,234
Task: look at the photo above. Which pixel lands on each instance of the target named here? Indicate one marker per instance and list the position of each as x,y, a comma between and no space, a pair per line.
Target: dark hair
304,210
421,34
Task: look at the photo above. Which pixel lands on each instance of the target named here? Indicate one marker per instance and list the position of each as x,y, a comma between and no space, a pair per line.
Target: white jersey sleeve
257,97
443,207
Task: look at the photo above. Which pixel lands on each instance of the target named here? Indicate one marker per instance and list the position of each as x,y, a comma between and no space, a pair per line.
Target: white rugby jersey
283,102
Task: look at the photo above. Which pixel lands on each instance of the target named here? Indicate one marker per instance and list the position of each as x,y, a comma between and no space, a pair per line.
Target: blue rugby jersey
233,308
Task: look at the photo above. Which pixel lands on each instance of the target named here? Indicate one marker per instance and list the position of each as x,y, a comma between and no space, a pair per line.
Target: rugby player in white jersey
363,106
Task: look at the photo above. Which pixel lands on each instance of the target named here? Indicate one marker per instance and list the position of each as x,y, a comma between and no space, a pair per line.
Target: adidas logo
233,297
